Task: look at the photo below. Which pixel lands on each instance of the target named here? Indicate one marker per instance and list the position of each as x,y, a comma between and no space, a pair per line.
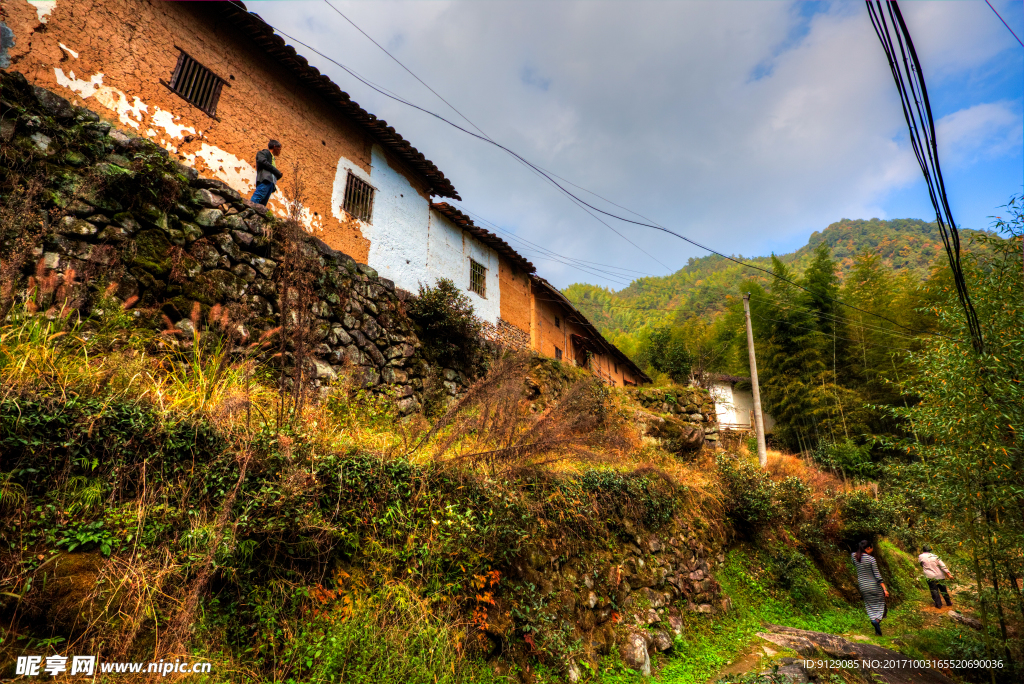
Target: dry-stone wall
683,418
632,596
119,211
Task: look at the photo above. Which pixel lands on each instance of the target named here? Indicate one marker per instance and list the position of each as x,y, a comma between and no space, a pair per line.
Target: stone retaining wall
507,335
684,417
192,240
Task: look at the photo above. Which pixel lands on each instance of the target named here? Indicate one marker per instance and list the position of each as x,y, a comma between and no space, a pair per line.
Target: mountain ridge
702,286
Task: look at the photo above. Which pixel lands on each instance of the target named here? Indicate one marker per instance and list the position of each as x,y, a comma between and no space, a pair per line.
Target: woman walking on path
872,586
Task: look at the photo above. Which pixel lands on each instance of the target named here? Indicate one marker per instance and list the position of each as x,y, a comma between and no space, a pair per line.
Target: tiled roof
582,320
263,36
484,236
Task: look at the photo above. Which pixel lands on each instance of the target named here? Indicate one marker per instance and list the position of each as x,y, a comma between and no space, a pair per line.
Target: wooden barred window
358,198
558,354
558,322
196,84
477,275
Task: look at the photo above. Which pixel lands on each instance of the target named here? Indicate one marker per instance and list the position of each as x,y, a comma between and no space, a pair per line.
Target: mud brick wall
121,214
114,56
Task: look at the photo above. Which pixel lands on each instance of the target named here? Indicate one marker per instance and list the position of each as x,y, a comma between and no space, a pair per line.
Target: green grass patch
750,578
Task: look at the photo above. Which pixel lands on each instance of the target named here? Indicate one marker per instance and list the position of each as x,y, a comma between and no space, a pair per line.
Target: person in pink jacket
935,571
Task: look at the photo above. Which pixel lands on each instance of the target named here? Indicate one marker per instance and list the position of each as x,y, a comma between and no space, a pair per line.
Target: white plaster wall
449,250
725,407
734,406
398,226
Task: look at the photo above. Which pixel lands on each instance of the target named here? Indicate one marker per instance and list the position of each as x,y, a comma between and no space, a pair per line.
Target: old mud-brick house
211,82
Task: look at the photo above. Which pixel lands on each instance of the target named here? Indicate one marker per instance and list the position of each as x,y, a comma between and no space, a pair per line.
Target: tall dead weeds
497,427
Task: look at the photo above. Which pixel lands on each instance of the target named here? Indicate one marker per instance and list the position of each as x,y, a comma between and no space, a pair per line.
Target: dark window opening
196,84
558,354
477,278
358,198
616,367
558,322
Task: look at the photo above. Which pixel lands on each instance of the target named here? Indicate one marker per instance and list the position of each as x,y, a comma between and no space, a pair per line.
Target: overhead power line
1004,22
479,130
917,110
550,178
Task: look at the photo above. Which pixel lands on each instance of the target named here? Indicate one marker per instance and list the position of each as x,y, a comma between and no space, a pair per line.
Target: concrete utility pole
762,449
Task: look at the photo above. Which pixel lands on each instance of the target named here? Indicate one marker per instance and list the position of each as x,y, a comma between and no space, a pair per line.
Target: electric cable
917,111
534,245
480,130
789,306
1004,22
819,332
550,179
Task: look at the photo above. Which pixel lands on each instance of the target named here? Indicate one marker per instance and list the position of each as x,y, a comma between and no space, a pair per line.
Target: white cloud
653,105
981,131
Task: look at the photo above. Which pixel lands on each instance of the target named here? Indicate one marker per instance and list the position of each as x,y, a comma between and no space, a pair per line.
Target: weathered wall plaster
450,249
515,295
111,55
43,9
398,228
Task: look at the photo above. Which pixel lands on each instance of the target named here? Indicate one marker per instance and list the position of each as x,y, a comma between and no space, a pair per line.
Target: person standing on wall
267,174
935,571
872,586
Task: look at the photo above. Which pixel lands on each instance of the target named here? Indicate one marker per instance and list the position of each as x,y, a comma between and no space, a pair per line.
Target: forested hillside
702,287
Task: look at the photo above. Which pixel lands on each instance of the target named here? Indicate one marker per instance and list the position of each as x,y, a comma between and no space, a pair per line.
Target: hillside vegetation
706,286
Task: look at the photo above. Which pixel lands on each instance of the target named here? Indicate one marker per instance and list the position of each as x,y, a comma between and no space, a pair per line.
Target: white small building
734,403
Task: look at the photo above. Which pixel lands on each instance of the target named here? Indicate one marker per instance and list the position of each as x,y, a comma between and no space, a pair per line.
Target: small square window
477,278
558,322
358,198
558,354
196,84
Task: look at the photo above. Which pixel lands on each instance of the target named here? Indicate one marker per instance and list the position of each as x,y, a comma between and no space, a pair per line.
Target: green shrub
390,636
846,458
447,326
757,501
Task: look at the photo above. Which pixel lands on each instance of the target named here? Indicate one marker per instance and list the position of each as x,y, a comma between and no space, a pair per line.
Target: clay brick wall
515,295
110,56
547,336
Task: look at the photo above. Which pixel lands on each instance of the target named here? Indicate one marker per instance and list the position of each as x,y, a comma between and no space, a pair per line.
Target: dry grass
497,426
781,465
208,373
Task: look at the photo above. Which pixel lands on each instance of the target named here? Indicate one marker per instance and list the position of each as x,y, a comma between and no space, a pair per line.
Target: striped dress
870,582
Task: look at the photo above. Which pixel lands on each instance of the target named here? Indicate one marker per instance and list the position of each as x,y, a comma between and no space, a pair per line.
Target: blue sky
745,125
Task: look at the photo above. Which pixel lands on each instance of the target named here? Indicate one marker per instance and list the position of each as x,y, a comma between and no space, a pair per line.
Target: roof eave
615,351
275,47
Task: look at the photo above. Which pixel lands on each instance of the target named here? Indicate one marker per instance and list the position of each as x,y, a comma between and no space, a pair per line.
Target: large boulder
54,105
679,436
634,652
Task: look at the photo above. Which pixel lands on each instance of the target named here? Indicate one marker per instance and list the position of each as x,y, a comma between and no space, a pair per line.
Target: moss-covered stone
215,286
151,252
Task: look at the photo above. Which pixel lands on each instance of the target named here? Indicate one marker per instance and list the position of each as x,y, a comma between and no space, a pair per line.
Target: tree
968,449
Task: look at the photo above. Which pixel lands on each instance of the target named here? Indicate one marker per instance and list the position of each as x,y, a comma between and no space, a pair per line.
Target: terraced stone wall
116,213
